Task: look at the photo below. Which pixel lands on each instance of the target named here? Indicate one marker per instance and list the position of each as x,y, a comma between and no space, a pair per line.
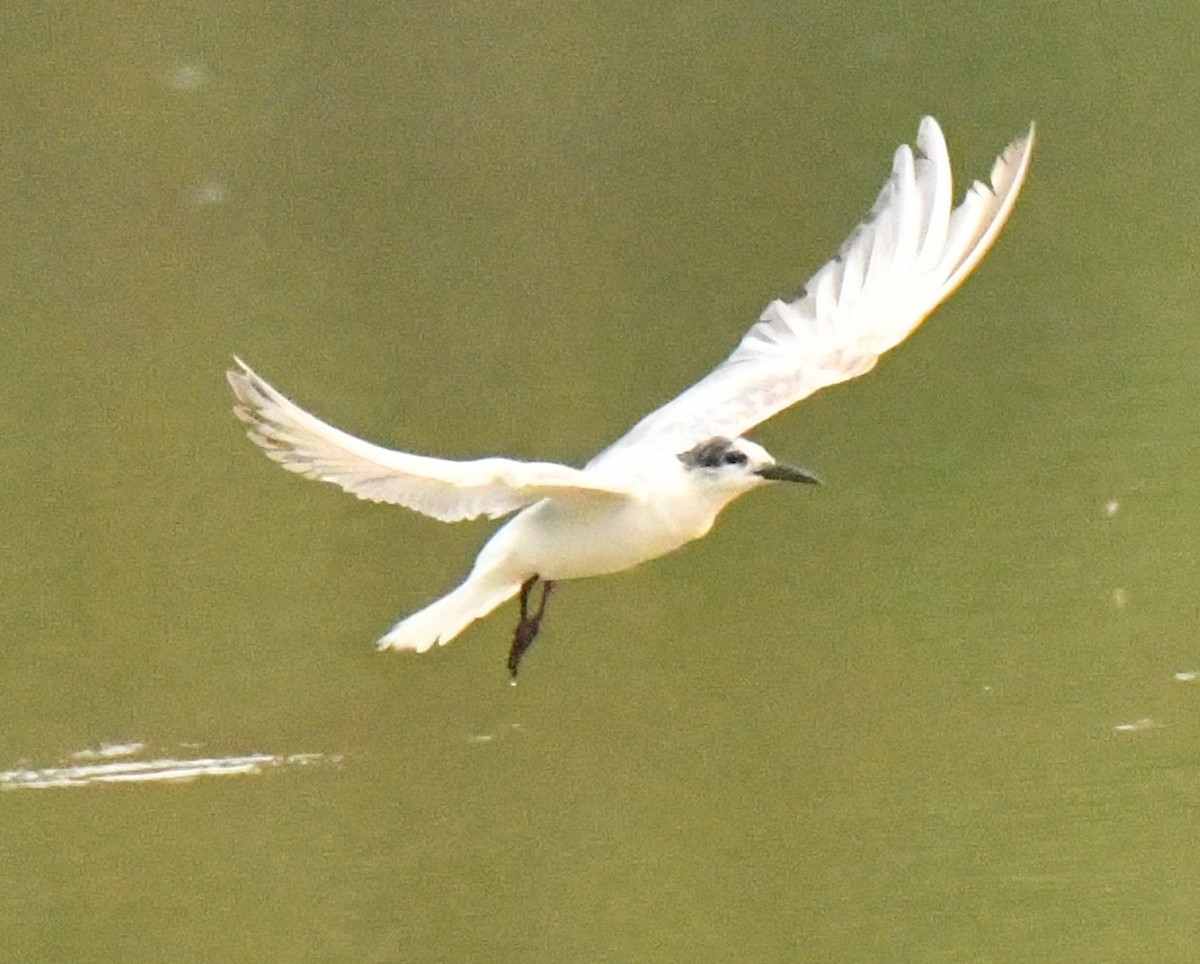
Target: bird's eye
734,458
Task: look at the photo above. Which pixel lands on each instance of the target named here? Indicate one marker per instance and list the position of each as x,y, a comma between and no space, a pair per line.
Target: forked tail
441,621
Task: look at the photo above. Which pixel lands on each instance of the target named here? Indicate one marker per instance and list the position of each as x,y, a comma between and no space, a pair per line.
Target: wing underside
442,488
908,256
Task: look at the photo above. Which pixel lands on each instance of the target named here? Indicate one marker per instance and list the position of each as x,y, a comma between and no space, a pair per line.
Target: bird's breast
576,539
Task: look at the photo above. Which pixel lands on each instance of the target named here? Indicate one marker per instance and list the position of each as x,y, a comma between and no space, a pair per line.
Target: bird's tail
441,621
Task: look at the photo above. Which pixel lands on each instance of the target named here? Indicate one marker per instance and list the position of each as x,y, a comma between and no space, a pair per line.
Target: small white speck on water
1111,507
188,77
108,751
1120,597
1138,726
208,193
485,736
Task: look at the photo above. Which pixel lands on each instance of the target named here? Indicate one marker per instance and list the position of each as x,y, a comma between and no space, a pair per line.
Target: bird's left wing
442,488
893,270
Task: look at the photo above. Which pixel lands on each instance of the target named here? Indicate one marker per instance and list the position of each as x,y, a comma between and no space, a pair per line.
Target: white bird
664,483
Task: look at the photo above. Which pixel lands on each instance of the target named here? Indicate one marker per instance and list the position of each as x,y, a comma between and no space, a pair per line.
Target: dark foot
528,625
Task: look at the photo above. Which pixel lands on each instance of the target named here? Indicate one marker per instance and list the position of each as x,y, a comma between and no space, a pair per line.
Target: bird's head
738,465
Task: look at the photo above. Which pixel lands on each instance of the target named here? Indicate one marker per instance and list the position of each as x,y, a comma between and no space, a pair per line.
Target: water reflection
128,763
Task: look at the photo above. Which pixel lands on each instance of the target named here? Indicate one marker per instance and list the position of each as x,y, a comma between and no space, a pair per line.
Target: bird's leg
528,625
526,589
526,628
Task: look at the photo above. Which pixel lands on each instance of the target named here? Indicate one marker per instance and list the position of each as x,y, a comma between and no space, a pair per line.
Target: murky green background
939,710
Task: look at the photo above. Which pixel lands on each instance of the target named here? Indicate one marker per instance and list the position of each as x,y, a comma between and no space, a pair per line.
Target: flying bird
665,481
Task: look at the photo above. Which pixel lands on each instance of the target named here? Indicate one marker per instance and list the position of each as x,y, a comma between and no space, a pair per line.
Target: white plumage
664,482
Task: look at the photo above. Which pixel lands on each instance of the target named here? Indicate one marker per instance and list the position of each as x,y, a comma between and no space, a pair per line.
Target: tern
663,483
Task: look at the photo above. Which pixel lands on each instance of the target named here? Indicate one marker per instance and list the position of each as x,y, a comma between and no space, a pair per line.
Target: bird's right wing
441,488
893,270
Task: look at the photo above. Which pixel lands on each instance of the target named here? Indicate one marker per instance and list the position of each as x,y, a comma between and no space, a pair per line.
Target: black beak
787,473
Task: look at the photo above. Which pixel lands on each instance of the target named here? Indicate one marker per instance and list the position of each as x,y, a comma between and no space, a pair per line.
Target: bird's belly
573,542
